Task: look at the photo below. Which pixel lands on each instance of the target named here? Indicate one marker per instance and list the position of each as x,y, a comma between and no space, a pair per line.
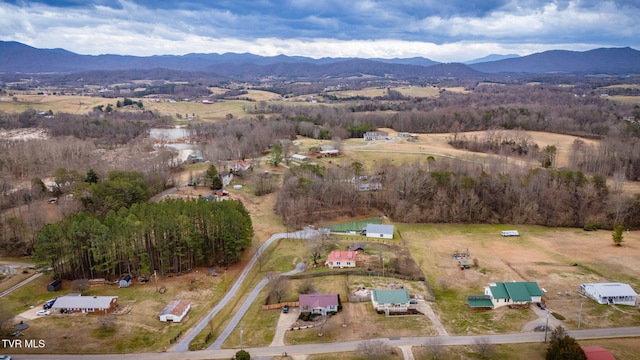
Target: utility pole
580,314
546,327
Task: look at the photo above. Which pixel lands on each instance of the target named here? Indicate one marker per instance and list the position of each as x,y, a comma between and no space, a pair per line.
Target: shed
55,285
175,311
610,293
125,281
378,231
299,157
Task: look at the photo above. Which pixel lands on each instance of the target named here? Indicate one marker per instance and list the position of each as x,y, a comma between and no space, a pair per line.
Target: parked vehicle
285,309
43,313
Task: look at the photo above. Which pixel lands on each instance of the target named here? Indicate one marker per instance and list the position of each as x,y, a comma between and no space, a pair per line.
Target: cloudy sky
441,30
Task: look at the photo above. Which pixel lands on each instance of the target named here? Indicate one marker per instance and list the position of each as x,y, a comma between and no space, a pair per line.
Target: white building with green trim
514,294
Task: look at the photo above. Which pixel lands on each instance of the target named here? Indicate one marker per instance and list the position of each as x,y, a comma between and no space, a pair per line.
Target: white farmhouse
609,293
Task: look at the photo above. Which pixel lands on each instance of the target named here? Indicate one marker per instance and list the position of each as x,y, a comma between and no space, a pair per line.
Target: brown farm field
413,91
559,259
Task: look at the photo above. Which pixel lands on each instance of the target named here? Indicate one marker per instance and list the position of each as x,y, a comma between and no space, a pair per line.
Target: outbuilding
298,157
55,285
175,311
610,293
378,231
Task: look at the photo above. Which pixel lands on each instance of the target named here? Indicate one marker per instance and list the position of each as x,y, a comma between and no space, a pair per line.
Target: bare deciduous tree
374,349
483,347
434,347
278,287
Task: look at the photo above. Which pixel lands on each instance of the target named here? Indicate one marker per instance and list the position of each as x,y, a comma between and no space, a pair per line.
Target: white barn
298,157
175,311
610,293
379,231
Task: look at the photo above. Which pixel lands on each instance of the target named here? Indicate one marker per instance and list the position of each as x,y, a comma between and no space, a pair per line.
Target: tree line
169,237
456,191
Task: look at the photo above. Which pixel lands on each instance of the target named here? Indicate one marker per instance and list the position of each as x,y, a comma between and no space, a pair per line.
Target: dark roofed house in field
175,311
85,304
318,303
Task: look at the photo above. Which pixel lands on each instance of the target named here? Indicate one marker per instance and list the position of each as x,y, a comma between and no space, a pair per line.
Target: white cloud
136,30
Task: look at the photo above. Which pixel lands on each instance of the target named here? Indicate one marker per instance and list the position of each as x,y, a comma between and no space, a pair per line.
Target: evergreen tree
213,178
564,347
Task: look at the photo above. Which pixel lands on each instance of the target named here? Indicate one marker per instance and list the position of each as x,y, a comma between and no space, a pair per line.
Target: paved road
20,284
183,344
340,347
300,267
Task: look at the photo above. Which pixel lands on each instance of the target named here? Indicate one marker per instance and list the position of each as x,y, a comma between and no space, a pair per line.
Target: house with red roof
318,303
597,353
341,259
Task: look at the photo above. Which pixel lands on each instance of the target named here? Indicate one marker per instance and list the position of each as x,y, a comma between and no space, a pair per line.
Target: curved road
183,344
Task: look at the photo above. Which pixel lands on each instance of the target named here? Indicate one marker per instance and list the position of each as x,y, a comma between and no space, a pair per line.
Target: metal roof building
610,293
85,304
379,231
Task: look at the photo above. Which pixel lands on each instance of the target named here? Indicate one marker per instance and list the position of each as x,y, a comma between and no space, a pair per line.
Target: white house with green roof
512,294
390,301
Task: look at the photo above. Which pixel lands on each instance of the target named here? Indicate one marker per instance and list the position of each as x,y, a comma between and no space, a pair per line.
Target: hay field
208,112
545,255
57,103
413,91
437,145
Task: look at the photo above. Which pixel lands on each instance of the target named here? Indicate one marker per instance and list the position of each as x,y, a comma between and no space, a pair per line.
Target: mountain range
16,57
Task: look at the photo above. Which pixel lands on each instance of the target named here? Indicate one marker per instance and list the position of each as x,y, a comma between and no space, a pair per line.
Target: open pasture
559,259
57,103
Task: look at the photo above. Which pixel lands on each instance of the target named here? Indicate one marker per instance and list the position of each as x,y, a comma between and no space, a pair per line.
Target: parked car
5,357
285,309
43,312
413,301
541,328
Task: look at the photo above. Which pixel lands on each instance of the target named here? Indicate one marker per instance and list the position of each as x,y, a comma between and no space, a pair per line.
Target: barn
378,231
175,311
609,293
298,157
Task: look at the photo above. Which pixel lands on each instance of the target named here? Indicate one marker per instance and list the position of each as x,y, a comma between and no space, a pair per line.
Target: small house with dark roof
175,311
514,294
318,303
357,247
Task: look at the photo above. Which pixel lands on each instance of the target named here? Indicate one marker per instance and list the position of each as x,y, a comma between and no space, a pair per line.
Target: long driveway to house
183,344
